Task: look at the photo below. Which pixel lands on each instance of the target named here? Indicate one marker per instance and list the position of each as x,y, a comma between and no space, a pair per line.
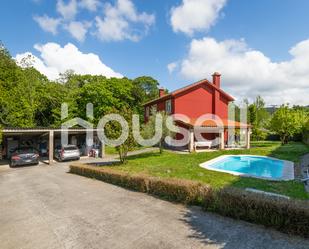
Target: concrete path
45,207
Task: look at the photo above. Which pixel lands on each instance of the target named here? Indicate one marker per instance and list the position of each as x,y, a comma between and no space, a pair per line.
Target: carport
49,137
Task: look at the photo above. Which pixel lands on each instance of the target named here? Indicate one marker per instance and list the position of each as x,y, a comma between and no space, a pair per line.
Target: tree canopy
29,99
287,122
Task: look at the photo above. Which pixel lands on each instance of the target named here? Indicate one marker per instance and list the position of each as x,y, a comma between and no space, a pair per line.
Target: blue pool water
250,165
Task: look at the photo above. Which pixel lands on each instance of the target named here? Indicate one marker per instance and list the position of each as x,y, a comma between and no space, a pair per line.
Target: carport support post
102,150
51,147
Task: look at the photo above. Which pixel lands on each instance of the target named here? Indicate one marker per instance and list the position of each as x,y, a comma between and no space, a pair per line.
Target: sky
259,47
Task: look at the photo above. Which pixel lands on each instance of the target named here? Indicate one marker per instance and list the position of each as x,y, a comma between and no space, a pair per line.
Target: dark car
67,152
24,156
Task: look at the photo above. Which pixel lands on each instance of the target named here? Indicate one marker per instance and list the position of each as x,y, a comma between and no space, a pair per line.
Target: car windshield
71,147
25,150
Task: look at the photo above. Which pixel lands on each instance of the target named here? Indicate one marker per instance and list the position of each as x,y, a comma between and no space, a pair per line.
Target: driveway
46,207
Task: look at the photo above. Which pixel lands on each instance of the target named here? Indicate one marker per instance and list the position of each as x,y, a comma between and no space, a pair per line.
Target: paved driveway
45,207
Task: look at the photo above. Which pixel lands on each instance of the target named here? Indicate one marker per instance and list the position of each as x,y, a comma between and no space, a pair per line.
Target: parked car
67,152
24,156
43,149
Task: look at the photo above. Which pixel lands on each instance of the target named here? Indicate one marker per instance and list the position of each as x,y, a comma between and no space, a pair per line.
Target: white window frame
154,109
168,106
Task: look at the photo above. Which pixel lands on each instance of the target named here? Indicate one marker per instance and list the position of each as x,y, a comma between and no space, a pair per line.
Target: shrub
289,216
134,182
184,191
285,215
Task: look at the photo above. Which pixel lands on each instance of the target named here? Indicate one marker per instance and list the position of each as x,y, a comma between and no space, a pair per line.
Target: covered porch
217,135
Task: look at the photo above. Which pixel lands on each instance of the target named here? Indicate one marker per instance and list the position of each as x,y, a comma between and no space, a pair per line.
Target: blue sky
247,41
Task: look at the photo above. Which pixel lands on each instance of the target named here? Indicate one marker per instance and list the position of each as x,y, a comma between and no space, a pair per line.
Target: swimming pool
252,166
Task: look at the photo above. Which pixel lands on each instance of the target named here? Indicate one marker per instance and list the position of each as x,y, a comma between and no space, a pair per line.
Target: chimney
216,79
161,92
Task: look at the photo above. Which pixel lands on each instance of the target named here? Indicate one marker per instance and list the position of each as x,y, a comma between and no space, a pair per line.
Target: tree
113,130
105,94
149,129
144,89
287,122
29,99
259,118
1,137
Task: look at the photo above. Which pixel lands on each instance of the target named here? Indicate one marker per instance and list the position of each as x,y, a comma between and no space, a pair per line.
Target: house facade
200,98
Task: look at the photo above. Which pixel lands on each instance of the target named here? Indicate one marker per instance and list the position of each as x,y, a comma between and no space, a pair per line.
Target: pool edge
287,174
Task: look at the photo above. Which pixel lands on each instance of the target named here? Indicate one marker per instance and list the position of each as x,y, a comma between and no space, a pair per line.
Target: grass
172,165
112,150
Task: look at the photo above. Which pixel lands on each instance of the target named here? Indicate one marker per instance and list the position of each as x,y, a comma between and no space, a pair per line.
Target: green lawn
112,150
186,166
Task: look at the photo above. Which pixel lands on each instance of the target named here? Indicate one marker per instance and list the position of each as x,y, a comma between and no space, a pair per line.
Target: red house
200,98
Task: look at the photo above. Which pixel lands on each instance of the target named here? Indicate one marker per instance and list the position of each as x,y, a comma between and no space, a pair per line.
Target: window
168,106
153,109
147,111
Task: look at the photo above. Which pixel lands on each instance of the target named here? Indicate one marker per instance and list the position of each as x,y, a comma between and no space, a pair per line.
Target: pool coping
287,175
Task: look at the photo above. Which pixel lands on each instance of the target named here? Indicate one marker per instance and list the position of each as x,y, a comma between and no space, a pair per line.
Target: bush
184,191
289,216
134,182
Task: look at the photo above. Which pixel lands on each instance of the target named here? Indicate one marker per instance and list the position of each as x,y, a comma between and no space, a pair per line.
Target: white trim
287,174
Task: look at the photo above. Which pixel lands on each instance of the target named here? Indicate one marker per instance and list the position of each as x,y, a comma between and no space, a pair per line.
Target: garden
178,178
186,166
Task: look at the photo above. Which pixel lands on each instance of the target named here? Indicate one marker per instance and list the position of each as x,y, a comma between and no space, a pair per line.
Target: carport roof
43,129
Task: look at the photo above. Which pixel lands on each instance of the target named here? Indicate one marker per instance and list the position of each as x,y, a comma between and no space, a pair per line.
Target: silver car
67,152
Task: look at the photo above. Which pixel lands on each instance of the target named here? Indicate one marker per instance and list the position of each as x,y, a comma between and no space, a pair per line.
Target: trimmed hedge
122,179
178,190
289,216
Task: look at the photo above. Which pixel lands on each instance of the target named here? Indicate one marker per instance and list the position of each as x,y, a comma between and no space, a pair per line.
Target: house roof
215,123
186,88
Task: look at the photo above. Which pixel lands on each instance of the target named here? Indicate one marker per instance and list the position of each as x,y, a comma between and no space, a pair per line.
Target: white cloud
67,10
55,59
172,67
78,29
122,21
47,23
195,15
247,73
90,5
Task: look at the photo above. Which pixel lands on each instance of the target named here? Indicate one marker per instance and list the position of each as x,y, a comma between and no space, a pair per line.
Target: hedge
289,216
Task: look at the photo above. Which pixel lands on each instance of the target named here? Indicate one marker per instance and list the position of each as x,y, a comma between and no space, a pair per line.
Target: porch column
51,147
248,135
191,142
222,140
